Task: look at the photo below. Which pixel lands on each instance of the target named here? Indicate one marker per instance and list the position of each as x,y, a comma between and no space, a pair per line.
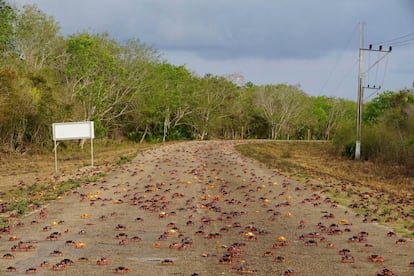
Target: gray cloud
267,40
232,28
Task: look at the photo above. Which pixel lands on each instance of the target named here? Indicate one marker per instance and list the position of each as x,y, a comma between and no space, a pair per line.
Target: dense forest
130,92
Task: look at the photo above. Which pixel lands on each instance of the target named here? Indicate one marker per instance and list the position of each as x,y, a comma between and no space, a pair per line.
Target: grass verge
29,181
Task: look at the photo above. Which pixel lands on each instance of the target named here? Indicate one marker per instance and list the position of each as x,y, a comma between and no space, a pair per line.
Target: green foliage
388,100
391,138
282,106
387,131
22,206
36,38
344,140
129,92
7,19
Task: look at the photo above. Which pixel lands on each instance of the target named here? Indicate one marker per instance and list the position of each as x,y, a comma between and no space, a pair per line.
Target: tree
133,70
375,108
173,90
8,17
40,49
28,79
280,105
212,97
18,103
326,114
94,76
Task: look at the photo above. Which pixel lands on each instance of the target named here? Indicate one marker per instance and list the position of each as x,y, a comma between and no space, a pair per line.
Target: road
200,208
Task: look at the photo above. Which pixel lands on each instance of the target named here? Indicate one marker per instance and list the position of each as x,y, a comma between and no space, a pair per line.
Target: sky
311,43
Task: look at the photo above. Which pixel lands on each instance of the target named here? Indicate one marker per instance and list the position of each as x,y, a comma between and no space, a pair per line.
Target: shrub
344,140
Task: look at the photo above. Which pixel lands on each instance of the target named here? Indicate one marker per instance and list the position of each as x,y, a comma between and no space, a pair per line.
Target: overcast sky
313,43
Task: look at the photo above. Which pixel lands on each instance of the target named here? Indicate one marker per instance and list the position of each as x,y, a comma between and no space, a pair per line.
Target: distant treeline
130,92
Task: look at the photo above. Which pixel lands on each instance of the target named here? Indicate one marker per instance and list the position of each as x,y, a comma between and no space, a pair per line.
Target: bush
344,140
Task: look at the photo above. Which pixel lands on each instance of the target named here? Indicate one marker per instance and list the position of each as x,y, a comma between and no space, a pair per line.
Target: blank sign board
73,130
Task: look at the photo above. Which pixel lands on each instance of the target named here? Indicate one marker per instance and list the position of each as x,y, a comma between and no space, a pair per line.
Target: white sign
73,131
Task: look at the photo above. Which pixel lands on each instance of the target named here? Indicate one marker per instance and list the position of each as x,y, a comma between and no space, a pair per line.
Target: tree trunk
167,124
143,135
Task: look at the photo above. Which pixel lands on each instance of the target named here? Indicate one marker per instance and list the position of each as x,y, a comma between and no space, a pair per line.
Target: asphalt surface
200,208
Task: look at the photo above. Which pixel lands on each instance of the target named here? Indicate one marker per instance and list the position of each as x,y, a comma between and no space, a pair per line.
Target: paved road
182,209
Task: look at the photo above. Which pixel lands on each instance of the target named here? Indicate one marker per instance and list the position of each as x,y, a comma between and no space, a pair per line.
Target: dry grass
317,158
18,168
29,181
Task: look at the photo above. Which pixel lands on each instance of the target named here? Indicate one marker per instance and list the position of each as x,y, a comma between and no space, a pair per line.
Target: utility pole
360,92
361,87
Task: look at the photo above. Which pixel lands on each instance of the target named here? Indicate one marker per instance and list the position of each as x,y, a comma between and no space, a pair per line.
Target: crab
121,270
44,264
70,243
67,261
391,234
281,244
103,261
348,258
59,266
120,227
344,251
123,242
31,270
11,269
226,259
156,245
136,239
121,236
311,243
167,262
280,259
8,256
268,254
174,245
385,272
401,241
289,272
244,270
56,253
376,258
83,259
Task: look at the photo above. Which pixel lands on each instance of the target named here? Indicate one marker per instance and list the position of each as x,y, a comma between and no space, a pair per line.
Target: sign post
73,131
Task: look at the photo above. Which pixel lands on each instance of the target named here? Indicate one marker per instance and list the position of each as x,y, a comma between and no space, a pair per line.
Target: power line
403,42
394,39
338,58
406,44
346,75
382,81
385,71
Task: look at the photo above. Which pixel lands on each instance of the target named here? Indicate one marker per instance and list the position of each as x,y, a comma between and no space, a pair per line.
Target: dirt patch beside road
210,211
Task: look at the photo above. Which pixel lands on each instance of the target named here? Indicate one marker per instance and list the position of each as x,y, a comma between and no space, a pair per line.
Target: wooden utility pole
360,92
361,86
